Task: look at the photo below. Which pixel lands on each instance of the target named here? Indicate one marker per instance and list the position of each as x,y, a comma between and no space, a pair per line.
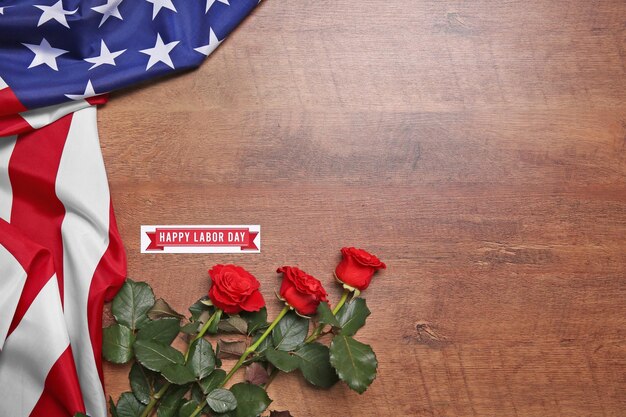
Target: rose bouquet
172,383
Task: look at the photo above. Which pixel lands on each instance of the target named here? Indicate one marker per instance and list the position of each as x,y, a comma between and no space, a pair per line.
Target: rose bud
301,291
357,268
234,289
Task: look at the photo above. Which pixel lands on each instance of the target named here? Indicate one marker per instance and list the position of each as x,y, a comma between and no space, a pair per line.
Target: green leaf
161,309
196,393
139,383
233,324
190,328
315,365
132,303
282,360
178,374
171,402
352,316
221,400
215,323
256,374
198,308
354,361
212,381
252,400
162,331
202,358
112,408
117,343
204,316
265,344
256,320
159,381
325,315
188,408
231,348
290,332
156,356
128,406
80,415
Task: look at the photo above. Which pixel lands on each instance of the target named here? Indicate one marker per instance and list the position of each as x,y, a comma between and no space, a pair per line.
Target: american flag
61,255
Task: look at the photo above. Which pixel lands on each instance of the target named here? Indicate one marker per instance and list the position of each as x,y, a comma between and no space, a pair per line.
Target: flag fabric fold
55,194
54,51
61,255
37,369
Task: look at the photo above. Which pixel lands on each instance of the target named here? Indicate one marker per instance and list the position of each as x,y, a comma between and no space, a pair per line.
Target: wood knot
427,334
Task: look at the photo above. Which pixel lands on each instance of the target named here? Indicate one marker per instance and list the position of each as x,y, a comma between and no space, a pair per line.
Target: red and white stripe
37,372
54,191
15,118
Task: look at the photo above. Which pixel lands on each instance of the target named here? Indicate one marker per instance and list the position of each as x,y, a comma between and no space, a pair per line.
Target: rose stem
245,354
255,345
318,330
203,330
154,400
157,396
316,333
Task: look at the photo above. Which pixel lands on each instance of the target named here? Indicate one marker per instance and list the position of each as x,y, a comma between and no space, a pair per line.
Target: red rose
234,289
300,290
357,268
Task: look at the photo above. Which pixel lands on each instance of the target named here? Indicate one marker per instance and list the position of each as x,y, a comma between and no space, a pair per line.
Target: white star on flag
210,47
160,53
55,12
210,3
157,5
89,92
110,8
45,54
105,57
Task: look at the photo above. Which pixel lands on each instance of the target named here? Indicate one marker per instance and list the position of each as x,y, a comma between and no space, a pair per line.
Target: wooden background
479,148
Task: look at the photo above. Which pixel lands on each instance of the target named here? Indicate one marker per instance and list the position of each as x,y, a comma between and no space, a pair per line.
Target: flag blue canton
52,51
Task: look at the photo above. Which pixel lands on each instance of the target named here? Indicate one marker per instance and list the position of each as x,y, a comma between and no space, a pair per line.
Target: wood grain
479,148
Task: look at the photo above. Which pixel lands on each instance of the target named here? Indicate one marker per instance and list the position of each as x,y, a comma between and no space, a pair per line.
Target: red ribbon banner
202,236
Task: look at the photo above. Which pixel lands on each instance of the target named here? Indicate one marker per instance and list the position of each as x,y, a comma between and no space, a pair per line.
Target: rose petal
254,302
